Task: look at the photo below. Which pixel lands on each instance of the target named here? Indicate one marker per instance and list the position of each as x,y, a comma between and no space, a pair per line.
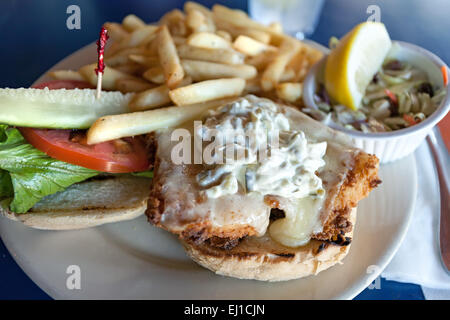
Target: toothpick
99,84
101,43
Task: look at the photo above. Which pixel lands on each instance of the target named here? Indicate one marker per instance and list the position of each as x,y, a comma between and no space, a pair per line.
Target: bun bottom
87,204
264,259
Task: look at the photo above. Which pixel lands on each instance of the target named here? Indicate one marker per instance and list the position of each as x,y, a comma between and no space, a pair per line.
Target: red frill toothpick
101,43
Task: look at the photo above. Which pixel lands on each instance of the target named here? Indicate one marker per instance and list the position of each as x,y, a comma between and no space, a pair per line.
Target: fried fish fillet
177,204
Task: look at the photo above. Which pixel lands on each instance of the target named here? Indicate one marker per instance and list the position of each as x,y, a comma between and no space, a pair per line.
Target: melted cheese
301,221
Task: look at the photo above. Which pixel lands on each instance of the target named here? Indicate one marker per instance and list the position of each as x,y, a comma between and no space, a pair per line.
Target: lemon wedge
350,67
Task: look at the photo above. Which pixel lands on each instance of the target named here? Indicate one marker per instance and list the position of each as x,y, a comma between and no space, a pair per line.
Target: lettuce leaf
27,174
144,174
6,188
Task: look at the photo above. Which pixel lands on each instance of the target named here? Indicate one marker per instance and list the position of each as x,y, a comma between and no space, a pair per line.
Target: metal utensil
442,162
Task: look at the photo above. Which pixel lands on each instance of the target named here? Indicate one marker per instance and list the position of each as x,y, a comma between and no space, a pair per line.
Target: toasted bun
88,204
263,259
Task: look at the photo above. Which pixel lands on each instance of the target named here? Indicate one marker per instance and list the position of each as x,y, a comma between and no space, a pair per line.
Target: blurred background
34,36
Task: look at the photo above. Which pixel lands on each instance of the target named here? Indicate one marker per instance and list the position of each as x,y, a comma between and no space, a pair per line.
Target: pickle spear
60,108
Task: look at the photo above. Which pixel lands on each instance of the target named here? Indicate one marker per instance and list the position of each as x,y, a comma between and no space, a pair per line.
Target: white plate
134,260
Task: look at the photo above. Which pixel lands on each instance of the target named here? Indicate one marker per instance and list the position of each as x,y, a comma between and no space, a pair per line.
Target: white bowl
393,145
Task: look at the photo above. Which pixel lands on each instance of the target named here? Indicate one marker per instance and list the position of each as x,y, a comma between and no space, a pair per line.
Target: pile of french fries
195,57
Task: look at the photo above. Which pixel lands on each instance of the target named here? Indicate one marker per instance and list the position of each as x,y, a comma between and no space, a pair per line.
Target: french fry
112,49
196,21
276,27
155,97
168,57
110,76
206,54
277,39
136,123
253,86
178,41
240,15
238,18
132,23
288,75
155,75
208,40
298,60
66,75
121,56
262,60
132,85
313,55
115,31
234,31
150,99
189,5
289,91
258,35
272,74
175,21
207,91
224,34
251,47
139,37
131,68
148,61
116,59
172,15
152,47
203,70
299,64
301,74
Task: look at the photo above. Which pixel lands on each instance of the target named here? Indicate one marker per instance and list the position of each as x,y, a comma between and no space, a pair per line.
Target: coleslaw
399,96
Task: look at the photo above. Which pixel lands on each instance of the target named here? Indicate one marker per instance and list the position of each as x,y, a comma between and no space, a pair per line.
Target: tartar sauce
256,151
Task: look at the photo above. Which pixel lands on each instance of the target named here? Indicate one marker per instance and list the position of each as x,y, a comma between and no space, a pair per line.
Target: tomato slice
117,156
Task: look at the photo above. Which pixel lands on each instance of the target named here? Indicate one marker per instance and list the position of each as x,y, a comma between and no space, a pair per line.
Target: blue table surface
34,37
